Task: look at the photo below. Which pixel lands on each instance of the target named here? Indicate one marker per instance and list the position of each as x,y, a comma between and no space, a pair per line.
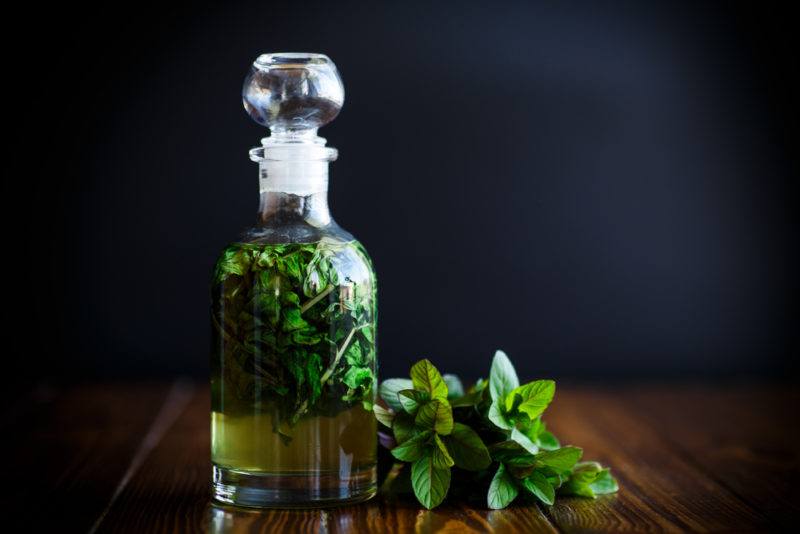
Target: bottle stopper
293,94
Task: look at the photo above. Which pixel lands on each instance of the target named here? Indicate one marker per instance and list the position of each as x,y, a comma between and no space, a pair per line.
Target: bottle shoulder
333,252
299,232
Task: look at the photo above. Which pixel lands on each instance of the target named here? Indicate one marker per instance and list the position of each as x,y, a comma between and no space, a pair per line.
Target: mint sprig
494,430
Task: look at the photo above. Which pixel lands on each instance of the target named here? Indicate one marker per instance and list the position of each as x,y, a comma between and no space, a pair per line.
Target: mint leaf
480,385
502,377
292,320
470,399
430,482
548,441
357,377
413,448
535,397
426,377
403,427
441,457
497,416
436,415
585,472
389,390
524,441
454,386
411,400
467,448
521,466
538,485
589,479
505,450
502,490
383,415
604,483
232,261
563,459
513,400
521,459
532,427
580,489
536,429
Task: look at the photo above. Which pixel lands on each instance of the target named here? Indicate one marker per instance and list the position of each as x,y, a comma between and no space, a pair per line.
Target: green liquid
329,444
294,372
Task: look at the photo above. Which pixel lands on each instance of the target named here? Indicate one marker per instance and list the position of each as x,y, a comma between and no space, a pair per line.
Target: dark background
604,190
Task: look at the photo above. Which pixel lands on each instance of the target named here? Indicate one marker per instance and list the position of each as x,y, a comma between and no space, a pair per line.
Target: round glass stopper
294,91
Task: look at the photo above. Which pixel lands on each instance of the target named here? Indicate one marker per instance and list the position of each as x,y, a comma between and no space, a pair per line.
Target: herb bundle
294,330
493,430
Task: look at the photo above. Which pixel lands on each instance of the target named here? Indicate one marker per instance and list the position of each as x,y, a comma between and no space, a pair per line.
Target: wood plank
745,437
71,447
659,490
170,494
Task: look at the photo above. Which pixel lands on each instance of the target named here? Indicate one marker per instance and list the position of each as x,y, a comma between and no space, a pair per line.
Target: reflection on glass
231,520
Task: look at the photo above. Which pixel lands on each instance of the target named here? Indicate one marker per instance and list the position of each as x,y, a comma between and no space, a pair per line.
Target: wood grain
70,447
135,458
169,493
659,489
380,517
746,438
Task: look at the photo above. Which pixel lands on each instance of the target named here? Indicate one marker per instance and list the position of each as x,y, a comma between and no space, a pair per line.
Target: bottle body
293,313
294,363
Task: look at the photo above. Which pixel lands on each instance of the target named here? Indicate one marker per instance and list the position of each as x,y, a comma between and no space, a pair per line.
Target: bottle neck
293,179
293,191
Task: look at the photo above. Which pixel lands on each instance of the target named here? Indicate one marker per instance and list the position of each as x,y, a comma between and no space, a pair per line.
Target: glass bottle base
292,490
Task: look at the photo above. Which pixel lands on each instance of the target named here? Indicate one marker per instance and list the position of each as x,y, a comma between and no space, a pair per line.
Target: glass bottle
293,358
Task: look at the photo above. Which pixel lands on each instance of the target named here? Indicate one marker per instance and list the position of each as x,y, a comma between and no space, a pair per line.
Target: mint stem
328,372
305,307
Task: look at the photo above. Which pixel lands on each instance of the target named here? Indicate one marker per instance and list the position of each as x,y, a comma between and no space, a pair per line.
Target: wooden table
135,458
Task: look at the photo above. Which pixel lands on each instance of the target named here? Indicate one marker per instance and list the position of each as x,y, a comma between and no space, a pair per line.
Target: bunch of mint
493,430
292,329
